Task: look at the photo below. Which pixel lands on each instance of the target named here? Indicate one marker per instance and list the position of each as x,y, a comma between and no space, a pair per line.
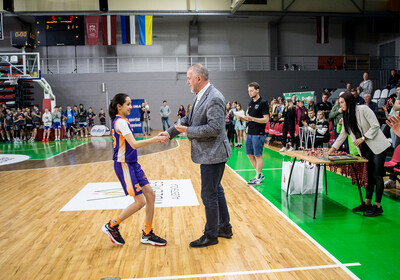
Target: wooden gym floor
40,242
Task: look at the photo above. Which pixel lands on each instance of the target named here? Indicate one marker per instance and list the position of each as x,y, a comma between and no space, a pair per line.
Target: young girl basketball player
130,174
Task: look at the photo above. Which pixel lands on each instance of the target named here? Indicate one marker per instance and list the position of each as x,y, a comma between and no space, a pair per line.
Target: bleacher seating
385,93
377,95
393,90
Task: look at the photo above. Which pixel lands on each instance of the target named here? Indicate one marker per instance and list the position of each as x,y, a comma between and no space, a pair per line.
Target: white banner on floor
12,158
101,196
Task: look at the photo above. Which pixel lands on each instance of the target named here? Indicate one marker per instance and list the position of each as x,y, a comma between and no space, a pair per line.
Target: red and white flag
322,30
92,30
109,28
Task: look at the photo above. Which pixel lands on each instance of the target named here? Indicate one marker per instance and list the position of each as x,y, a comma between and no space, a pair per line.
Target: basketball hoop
13,78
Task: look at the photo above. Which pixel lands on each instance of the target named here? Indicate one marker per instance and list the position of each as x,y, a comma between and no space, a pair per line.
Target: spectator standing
301,113
56,123
324,106
280,107
289,124
165,111
63,124
90,117
273,110
9,125
82,119
181,114
229,123
20,125
102,117
294,99
69,116
36,118
239,126
2,130
142,111
47,120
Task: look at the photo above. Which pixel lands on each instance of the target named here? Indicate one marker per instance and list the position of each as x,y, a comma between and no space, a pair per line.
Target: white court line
351,274
278,168
251,272
81,144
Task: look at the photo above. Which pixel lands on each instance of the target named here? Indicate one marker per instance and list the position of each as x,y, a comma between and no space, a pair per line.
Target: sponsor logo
11,159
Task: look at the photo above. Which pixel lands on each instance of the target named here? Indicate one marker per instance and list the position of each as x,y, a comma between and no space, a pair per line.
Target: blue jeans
213,196
165,119
255,144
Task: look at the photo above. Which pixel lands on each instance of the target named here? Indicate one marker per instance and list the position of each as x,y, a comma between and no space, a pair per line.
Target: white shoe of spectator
390,184
283,149
291,149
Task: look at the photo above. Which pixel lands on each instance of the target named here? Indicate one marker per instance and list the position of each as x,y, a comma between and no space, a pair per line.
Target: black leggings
375,172
230,132
285,130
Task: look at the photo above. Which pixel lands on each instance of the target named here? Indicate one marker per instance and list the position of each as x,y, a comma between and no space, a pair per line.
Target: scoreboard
60,30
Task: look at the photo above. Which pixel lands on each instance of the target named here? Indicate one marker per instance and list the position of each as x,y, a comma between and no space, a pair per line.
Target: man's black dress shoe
204,241
225,232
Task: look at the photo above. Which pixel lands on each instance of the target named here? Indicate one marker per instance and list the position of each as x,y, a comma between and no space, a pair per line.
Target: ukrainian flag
145,30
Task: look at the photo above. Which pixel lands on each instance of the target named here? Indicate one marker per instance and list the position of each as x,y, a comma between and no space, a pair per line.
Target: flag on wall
109,28
128,29
322,30
92,30
145,30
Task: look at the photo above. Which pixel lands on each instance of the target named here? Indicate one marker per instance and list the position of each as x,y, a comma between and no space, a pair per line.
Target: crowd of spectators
22,124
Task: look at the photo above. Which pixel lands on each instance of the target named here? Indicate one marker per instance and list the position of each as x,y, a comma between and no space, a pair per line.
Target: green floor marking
348,236
40,150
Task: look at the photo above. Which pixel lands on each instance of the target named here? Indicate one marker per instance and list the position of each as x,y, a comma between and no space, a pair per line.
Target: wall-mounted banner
100,196
299,95
134,116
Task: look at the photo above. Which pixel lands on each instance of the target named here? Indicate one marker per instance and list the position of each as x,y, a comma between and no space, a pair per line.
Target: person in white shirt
366,84
47,121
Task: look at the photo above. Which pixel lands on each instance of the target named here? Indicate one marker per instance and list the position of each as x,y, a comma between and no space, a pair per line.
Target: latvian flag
145,30
109,28
128,31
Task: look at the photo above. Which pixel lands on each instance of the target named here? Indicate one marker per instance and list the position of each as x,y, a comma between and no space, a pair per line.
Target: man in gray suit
205,128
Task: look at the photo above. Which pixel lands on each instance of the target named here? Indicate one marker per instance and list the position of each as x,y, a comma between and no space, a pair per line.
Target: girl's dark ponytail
113,109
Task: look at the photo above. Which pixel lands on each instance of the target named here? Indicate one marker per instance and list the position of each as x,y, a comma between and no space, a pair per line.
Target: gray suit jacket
369,128
206,129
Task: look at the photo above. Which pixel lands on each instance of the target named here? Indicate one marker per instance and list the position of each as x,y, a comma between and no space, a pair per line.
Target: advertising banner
134,116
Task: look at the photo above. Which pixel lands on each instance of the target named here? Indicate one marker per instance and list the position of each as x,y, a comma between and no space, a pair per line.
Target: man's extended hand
181,128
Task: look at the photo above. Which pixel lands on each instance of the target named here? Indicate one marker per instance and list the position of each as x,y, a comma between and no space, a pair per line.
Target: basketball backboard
14,66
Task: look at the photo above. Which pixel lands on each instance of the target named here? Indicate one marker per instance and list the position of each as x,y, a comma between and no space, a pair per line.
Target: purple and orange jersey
123,152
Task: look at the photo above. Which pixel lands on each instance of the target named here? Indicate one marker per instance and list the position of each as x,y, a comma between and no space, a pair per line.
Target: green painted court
348,236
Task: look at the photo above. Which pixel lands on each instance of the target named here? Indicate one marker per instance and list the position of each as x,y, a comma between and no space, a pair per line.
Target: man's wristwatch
363,138
252,119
